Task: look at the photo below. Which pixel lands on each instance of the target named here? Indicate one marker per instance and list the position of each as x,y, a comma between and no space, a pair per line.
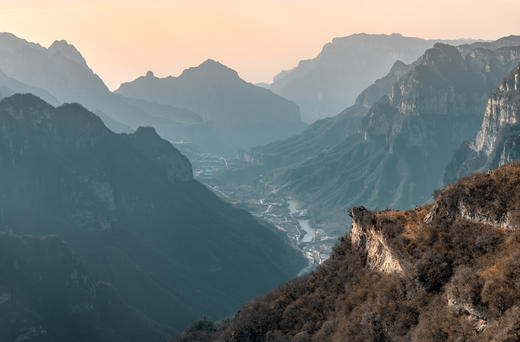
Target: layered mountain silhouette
445,271
63,72
239,113
498,140
327,84
210,106
10,86
397,155
324,133
127,206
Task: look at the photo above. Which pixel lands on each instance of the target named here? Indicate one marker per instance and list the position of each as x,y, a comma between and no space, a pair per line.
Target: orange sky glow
122,39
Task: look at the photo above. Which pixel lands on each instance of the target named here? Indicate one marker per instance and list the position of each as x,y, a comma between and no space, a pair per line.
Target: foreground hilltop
441,272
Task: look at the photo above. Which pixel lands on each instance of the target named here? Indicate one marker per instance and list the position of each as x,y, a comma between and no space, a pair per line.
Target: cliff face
444,271
498,140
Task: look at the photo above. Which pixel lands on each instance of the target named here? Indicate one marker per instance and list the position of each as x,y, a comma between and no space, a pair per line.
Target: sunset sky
122,39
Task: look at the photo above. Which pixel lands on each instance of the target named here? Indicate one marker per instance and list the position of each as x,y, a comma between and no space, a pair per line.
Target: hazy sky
122,39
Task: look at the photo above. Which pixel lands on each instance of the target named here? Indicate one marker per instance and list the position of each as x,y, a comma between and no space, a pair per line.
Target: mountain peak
210,68
442,54
398,66
69,51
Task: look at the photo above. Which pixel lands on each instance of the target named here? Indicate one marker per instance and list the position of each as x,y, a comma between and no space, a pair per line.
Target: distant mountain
491,45
130,210
46,295
62,71
397,156
445,271
240,114
327,84
324,133
498,140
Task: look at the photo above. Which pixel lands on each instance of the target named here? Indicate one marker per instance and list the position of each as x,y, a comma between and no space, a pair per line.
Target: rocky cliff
446,271
498,140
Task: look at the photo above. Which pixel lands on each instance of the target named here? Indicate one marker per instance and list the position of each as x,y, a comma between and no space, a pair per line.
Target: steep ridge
241,114
327,84
62,71
128,206
406,139
46,295
446,271
324,133
497,142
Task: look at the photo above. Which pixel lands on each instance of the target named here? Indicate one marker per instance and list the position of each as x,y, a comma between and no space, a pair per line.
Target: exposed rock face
329,83
365,236
428,274
128,207
498,140
240,114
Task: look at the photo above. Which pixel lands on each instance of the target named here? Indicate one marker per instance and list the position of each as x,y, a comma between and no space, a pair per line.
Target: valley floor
282,212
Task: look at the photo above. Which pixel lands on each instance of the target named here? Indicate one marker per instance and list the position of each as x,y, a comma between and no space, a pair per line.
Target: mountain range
105,235
325,85
395,153
246,115
130,211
